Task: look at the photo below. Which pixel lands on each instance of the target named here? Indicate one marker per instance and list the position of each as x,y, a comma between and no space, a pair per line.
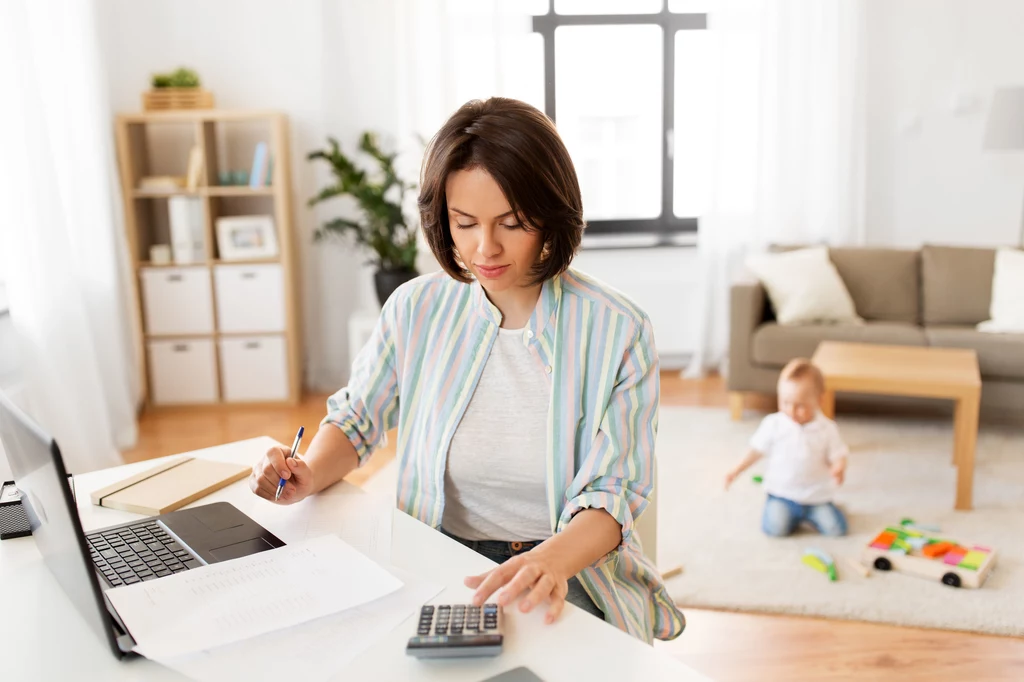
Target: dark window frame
545,24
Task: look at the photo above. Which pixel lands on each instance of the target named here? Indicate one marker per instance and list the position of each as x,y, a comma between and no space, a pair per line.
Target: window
625,82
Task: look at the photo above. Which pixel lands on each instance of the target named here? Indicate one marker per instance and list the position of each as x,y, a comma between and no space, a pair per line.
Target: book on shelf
260,162
195,167
185,215
162,183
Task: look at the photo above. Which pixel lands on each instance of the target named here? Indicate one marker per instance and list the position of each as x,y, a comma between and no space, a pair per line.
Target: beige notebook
169,486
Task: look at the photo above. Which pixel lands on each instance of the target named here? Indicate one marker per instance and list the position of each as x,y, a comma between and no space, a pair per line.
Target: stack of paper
228,602
313,651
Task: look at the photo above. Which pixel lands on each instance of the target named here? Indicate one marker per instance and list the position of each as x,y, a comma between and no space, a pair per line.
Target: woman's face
491,243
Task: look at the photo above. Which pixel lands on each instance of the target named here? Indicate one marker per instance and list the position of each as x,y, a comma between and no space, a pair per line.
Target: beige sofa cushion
774,345
956,284
1000,356
884,283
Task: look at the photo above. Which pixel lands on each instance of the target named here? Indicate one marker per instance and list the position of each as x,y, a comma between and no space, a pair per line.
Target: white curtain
61,234
787,162
452,51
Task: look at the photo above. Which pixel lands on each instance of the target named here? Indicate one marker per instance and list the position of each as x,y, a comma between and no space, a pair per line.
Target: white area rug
899,467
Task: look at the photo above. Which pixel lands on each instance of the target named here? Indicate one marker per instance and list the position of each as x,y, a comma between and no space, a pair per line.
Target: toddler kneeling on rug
806,457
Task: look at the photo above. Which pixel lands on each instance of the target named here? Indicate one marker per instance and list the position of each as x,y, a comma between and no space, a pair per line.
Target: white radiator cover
662,281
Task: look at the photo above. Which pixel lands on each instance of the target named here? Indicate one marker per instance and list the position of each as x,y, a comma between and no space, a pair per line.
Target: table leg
736,405
828,404
965,438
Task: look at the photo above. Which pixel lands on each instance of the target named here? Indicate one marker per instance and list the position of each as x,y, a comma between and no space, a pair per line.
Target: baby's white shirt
799,457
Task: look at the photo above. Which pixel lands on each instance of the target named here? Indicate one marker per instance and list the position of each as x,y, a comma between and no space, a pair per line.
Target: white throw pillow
1007,307
804,287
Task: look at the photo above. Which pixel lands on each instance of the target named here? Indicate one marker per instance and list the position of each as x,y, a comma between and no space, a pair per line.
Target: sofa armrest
746,313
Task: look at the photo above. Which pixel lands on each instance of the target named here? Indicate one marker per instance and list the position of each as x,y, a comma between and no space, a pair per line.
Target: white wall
330,65
310,59
932,67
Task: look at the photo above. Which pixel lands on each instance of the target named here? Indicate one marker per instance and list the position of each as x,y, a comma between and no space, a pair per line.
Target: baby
806,457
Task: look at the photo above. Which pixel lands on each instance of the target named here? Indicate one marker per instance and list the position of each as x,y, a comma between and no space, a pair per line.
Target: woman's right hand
276,465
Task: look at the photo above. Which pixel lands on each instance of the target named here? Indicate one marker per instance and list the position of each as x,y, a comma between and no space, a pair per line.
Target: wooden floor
724,646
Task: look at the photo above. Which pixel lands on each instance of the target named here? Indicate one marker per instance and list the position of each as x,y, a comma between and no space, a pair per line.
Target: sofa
933,296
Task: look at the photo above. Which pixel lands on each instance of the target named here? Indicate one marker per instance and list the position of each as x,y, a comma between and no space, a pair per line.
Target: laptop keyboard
142,551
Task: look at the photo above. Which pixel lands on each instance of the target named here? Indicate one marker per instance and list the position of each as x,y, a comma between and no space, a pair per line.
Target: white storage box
177,301
250,298
254,368
182,371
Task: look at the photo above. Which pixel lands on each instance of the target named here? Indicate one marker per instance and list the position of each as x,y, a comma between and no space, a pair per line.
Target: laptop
88,564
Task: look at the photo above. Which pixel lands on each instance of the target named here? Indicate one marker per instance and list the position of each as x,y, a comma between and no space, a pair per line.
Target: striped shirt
419,370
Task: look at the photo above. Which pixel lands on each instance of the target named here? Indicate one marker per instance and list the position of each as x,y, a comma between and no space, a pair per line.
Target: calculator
456,630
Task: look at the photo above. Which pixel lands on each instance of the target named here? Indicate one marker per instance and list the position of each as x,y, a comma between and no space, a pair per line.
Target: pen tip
302,429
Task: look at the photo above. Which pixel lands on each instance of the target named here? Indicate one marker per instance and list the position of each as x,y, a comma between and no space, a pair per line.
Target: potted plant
383,229
179,89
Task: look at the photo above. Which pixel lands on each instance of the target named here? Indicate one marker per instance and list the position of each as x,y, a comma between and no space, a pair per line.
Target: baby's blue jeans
781,517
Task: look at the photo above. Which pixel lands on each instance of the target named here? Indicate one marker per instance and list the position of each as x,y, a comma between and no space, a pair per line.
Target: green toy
820,561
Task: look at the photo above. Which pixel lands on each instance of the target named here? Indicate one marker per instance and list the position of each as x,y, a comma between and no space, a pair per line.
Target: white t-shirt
799,457
495,483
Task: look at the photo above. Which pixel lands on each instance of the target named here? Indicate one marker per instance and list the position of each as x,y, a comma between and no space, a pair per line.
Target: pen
295,448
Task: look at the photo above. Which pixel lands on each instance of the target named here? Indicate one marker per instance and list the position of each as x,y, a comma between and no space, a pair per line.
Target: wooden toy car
912,550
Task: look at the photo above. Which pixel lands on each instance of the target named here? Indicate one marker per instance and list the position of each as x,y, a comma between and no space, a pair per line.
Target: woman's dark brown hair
518,146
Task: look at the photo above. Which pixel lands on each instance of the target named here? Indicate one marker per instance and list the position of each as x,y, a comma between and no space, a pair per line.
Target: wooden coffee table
950,373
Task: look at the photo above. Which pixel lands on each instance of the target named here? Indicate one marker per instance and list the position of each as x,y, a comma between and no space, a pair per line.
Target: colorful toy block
917,544
820,561
936,549
884,540
900,543
953,558
972,560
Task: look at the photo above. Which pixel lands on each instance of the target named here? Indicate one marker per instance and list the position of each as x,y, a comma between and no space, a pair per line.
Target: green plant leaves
180,78
383,229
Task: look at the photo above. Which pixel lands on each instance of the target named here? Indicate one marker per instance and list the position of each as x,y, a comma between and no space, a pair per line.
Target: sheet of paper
312,651
362,520
234,600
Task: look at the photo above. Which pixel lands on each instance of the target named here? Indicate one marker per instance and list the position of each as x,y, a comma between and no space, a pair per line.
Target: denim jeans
781,517
500,551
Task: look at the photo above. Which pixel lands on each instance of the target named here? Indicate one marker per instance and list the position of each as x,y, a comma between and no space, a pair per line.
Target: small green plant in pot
383,229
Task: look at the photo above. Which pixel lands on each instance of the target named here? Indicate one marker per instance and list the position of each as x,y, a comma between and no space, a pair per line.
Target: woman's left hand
532,572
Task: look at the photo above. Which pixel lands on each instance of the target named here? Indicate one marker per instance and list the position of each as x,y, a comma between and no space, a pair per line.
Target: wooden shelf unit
144,209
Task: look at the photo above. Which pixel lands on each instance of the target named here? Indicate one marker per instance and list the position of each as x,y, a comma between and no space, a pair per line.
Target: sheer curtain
787,161
61,232
452,51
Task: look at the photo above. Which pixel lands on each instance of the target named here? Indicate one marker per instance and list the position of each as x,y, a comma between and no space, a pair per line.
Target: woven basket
162,99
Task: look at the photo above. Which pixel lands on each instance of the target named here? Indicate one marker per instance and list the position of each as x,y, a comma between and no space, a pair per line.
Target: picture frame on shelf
246,237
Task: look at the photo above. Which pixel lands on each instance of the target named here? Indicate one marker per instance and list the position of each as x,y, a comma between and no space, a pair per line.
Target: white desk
42,636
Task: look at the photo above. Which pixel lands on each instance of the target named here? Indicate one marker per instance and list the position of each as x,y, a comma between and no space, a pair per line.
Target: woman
525,394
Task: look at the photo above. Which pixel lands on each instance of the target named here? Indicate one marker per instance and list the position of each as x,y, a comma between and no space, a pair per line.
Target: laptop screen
46,496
